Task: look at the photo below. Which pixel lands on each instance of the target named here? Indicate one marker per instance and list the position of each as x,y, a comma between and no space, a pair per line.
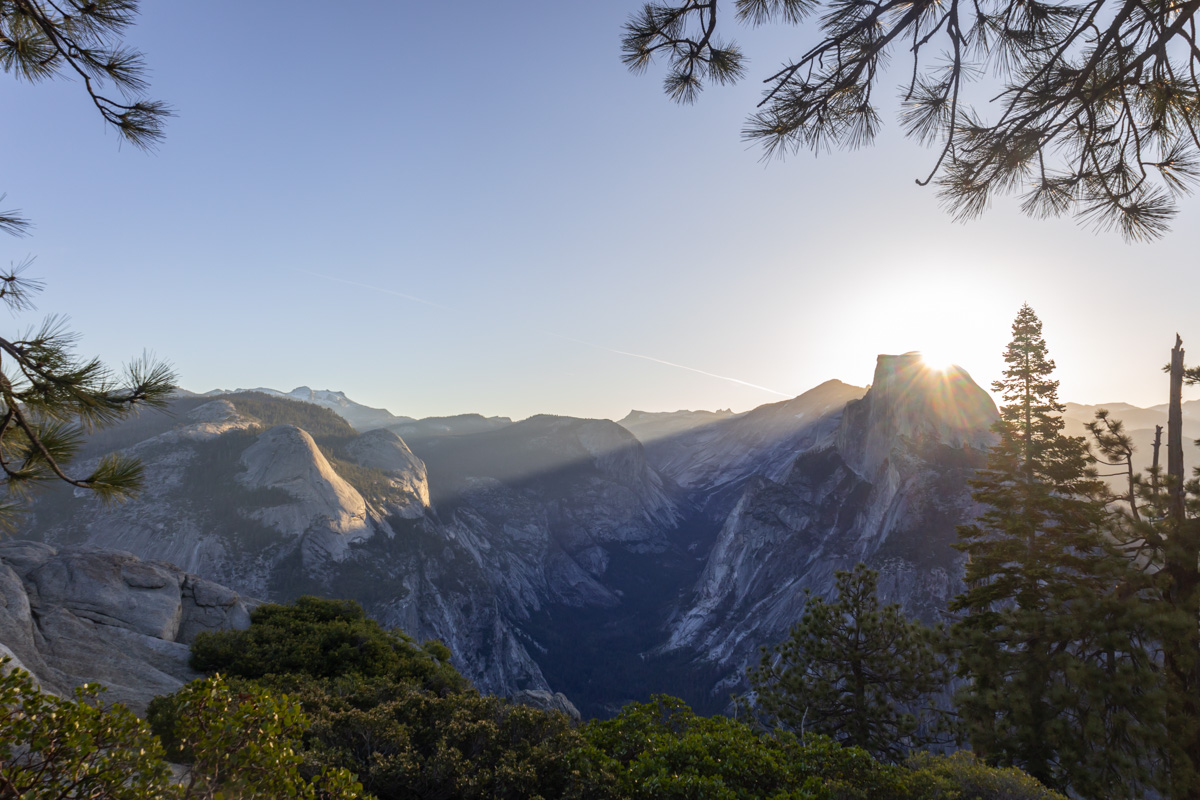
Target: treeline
315,700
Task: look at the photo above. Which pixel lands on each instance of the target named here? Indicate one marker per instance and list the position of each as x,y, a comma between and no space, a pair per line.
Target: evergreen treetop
1051,638
855,670
81,39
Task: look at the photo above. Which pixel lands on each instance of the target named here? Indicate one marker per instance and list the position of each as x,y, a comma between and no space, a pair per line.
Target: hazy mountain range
605,560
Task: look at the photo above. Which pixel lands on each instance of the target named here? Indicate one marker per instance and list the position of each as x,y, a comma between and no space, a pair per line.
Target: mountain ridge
558,553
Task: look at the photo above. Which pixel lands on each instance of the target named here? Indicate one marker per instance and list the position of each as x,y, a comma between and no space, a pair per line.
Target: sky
444,208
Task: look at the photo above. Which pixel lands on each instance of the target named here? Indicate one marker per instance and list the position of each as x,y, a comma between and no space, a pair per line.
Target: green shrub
323,639
402,741
400,718
52,747
962,776
663,750
405,742
239,743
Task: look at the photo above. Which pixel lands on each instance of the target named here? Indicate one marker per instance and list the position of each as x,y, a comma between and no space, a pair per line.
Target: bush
965,777
239,744
324,639
402,741
241,741
663,750
52,747
406,742
405,722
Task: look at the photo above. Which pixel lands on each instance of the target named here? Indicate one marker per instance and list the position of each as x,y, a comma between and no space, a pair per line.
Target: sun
937,360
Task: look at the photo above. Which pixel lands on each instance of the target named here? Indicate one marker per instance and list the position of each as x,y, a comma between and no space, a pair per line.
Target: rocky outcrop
705,461
546,701
500,524
407,477
77,615
457,425
543,503
326,510
363,418
916,406
650,426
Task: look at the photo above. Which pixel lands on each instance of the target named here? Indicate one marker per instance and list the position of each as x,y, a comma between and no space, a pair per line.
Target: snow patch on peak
320,396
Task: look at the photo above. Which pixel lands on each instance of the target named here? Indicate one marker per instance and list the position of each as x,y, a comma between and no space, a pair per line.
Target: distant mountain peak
909,399
313,395
360,417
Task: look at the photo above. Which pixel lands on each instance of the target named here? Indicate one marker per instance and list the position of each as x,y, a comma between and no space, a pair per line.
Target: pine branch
1097,115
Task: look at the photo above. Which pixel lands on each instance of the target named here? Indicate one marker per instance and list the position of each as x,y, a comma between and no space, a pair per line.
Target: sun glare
936,360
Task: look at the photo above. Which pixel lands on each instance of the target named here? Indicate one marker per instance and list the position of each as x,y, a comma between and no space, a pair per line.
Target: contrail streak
551,334
667,363
414,298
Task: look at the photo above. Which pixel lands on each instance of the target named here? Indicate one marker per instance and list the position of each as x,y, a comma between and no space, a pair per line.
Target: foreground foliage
410,732
403,741
52,747
1156,524
663,750
855,670
395,713
239,744
410,736
323,638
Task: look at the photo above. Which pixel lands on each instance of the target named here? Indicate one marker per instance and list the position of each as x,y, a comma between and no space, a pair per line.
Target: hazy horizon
616,417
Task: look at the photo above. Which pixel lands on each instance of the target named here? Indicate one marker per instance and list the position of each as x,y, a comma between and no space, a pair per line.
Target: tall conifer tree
855,670
1048,640
1158,528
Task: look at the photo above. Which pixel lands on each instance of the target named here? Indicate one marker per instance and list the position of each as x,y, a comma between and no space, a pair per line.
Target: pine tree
854,670
1176,531
1090,109
1157,526
49,397
1052,640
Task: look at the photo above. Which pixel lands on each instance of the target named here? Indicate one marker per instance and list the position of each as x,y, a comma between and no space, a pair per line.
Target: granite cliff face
461,542
78,615
407,479
883,481
559,553
328,512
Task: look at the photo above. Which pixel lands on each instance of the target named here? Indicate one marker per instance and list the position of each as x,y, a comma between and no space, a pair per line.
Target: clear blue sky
442,208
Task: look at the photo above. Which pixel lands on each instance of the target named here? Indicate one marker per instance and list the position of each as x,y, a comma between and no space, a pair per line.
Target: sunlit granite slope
557,553
501,523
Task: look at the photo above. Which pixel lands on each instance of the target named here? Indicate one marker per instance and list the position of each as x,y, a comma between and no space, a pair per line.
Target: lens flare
937,360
